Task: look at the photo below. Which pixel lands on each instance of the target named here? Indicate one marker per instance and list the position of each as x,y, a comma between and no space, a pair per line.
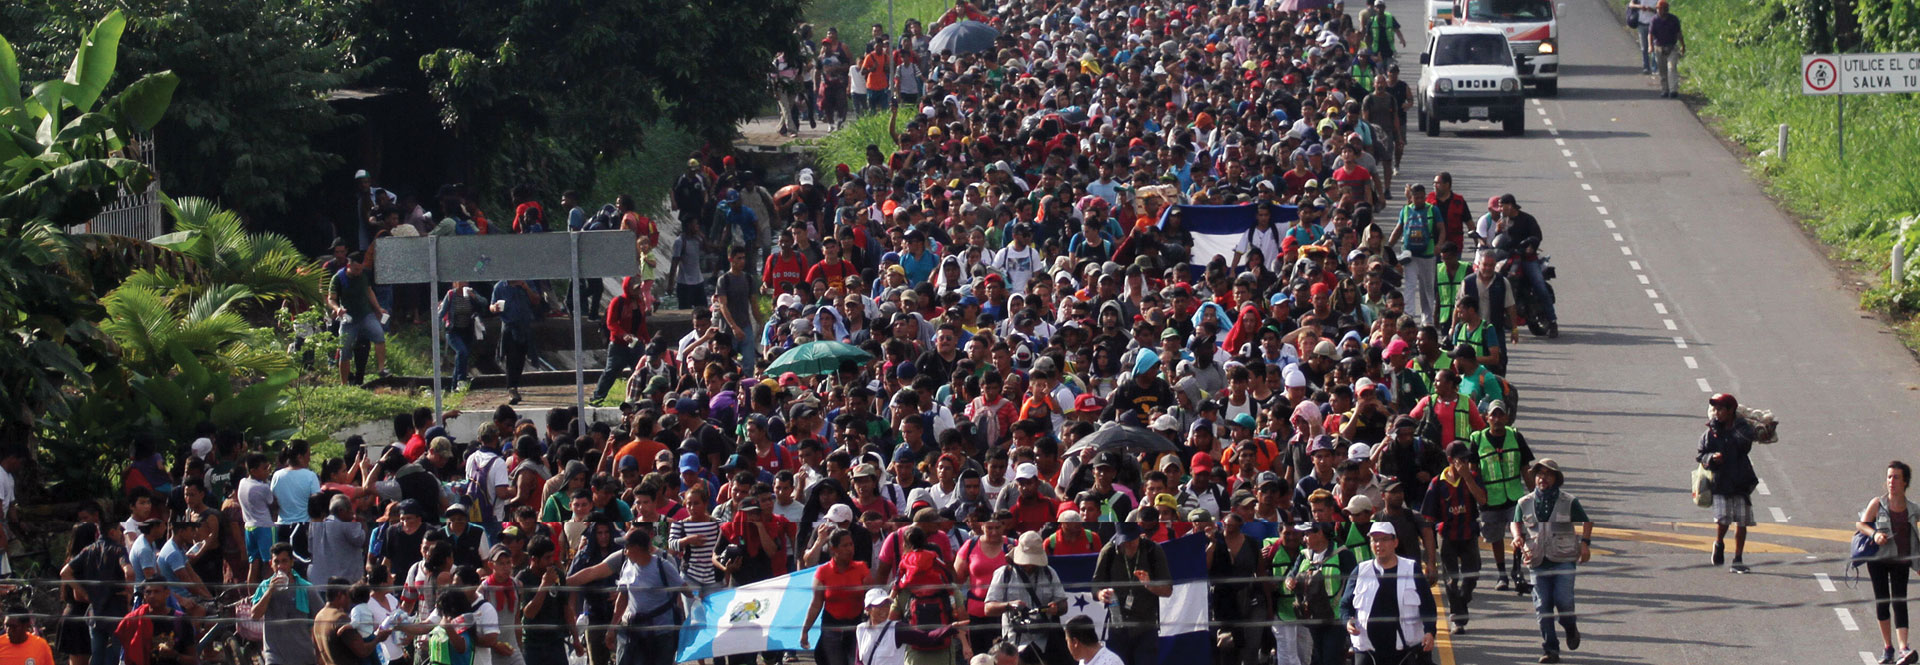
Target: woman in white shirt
876,642
373,603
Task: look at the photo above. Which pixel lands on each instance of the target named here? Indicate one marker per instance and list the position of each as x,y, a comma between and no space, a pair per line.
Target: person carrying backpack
1316,581
1418,233
488,488
1131,576
925,593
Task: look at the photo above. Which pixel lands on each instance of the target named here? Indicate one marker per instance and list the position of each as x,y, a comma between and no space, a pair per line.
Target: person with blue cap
1146,392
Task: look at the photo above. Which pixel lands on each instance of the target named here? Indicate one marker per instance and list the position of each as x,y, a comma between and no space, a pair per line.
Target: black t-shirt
402,548
547,627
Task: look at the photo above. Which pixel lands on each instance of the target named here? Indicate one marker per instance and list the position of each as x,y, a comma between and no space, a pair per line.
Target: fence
135,214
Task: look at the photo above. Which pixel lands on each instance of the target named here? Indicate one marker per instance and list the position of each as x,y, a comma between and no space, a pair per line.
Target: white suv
1468,75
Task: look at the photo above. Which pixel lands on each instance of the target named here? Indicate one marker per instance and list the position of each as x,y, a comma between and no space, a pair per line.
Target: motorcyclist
1524,230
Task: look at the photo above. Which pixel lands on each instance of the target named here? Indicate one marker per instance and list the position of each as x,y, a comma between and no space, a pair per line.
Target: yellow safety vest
1499,468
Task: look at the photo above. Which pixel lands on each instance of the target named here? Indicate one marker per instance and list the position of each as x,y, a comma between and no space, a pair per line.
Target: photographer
1028,598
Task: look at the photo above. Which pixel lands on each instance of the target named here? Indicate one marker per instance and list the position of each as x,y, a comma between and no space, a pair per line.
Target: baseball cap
1026,471
1382,528
1089,403
1202,462
840,513
1359,451
877,597
1359,503
689,462
1244,420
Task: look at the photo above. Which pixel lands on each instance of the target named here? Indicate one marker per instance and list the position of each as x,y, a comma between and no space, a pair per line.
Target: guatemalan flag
767,615
1218,230
762,616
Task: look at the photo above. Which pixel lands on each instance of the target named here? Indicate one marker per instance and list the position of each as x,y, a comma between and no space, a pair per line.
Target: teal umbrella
814,358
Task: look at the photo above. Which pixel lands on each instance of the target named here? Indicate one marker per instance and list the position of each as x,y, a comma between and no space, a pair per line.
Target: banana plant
62,144
267,264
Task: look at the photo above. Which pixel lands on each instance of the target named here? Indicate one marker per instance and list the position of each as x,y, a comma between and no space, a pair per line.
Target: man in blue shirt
918,262
513,301
174,566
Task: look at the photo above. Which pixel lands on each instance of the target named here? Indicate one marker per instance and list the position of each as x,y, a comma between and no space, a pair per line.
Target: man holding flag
1131,576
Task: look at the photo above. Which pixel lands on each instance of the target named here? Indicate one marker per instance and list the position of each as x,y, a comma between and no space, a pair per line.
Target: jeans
691,296
514,346
1553,595
1291,645
837,643
748,346
650,645
544,653
1541,296
1329,644
1460,566
876,100
1646,51
1668,64
1135,646
1419,288
620,360
106,648
460,340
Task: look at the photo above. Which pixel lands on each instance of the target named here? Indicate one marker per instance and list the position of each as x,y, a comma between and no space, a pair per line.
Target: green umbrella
813,358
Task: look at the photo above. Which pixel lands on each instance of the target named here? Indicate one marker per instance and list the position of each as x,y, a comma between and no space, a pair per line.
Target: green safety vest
1499,468
1479,338
1330,573
1357,542
1446,281
1462,417
1281,564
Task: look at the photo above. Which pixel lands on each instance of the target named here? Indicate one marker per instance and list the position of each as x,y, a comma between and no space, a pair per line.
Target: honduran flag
762,616
1218,230
1183,616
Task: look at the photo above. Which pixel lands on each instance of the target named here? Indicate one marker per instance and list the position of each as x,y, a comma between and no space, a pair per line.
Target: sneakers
1553,330
1573,636
1739,568
1907,657
1719,553
1459,626
1886,656
1550,658
1504,585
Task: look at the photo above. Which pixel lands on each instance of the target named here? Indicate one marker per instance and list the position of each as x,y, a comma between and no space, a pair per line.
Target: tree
59,165
541,91
267,265
252,74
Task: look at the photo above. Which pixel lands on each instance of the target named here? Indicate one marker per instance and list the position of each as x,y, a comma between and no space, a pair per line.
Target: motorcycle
1532,305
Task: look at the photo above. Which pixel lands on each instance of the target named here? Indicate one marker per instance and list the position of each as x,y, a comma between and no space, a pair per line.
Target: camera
1026,617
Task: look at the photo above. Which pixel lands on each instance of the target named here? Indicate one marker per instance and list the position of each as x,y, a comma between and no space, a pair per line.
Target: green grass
849,144
855,18
1748,71
647,175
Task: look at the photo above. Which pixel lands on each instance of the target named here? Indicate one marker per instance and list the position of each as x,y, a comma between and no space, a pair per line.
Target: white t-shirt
366,618
1018,264
256,503
1103,657
495,477
877,645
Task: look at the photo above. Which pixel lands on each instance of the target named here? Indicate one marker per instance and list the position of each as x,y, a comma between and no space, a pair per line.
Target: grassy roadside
1745,66
854,19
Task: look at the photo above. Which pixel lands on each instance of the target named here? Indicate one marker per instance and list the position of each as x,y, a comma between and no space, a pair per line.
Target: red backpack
927,582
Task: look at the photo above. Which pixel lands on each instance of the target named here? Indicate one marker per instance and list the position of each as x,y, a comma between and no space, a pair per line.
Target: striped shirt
697,560
1452,510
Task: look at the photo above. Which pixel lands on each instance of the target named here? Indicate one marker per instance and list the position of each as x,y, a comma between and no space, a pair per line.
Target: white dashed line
1653,295
1536,102
1593,197
1586,187
1763,490
1548,121
1627,251
1578,174
1679,341
1778,514
1609,223
1846,619
1670,324
1602,209
1554,132
1661,308
1559,141
1868,658
1643,279
1618,238
1703,385
1542,111
1633,264
1566,153
1826,583
1691,363
1573,164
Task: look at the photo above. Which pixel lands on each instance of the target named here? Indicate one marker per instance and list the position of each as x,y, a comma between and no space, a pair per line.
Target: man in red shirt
1031,511
785,268
831,267
1073,537
1453,209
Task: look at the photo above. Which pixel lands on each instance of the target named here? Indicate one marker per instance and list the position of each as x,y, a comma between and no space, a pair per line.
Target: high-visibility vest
1480,338
1499,468
1447,276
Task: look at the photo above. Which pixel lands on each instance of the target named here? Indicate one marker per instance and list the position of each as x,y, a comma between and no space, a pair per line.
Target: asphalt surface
1678,278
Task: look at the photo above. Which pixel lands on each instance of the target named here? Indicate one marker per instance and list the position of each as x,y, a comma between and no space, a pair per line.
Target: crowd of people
1326,403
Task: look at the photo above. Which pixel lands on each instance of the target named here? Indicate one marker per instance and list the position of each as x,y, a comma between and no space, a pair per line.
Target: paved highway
1678,278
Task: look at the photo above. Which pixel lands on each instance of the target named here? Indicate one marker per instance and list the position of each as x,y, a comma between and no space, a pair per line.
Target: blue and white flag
762,616
1183,616
1218,230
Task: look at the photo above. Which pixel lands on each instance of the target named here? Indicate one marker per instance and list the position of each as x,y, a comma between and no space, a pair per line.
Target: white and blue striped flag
762,616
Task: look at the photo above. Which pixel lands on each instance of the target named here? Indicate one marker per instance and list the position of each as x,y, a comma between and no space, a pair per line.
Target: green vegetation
322,410
855,18
1744,61
849,144
647,174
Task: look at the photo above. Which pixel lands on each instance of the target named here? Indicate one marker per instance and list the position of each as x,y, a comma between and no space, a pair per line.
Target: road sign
492,258
1859,73
535,256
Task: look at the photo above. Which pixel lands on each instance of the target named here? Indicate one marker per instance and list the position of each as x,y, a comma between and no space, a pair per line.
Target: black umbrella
964,37
1115,436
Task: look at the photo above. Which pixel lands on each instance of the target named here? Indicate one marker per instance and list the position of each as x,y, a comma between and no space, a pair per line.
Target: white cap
202,447
1294,377
1026,471
840,513
1359,451
787,300
1359,502
1166,423
878,597
1384,528
1361,385
361,174
1072,516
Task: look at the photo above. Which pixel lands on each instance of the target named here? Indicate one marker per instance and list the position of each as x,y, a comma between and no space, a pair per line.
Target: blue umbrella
964,37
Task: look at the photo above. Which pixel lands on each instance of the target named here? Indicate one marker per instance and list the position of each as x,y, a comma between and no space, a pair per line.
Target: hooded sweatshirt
625,315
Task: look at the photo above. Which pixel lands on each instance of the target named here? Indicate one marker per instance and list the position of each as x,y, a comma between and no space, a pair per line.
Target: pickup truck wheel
1516,125
1421,120
1550,87
1433,123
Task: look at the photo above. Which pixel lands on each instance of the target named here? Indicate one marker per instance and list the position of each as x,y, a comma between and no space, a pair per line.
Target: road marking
1586,187
1609,223
1868,658
1536,101
1552,131
1653,294
1826,583
1618,238
1700,543
1548,121
1626,250
1706,389
1643,279
1824,534
1566,153
1691,363
1573,164
1602,209
1778,514
1593,197
1661,308
1542,111
1763,489
1442,636
1634,265
1559,141
1680,341
1578,174
1670,324
1846,619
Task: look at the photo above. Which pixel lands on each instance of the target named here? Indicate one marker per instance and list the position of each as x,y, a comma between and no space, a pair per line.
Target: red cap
1320,289
1723,400
789,379
1089,403
1493,202
1202,463
727,161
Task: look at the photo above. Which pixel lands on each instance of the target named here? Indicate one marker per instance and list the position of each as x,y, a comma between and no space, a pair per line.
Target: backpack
1419,235
1310,600
607,219
480,495
929,601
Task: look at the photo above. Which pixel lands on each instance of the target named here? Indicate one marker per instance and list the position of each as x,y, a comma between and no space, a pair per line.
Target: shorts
361,327
1494,524
259,544
1733,509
